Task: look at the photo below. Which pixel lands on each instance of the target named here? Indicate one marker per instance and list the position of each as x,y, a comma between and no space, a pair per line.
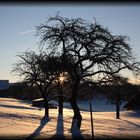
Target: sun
61,79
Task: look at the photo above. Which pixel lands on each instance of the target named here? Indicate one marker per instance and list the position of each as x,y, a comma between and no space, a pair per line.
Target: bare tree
117,85
37,70
95,52
119,82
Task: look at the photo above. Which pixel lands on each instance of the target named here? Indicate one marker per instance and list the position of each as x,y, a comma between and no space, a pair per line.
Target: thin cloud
25,32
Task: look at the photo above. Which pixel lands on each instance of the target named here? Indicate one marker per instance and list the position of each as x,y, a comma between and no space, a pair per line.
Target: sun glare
61,79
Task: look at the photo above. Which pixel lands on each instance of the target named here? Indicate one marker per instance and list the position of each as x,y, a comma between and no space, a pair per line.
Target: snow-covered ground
19,119
98,104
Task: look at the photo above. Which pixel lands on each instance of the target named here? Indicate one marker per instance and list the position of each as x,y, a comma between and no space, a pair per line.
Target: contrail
25,32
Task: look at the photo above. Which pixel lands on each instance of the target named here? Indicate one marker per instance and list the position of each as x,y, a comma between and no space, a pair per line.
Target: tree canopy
93,48
83,50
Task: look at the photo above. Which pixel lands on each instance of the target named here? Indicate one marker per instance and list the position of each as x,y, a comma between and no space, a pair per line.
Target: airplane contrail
25,32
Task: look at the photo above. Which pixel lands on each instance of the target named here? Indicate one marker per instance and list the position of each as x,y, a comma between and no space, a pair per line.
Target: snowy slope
19,119
98,104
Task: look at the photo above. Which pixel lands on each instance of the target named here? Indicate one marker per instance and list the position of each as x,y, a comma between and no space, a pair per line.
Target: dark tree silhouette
95,52
38,70
117,85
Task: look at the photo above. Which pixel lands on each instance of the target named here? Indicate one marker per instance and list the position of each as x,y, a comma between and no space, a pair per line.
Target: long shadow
36,133
17,107
60,128
133,123
76,134
16,100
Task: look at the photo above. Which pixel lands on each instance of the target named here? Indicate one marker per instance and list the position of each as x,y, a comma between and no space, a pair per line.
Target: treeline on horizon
23,92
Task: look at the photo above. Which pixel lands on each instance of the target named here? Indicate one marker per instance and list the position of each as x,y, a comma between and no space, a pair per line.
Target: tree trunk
91,117
75,108
117,107
44,96
60,100
46,108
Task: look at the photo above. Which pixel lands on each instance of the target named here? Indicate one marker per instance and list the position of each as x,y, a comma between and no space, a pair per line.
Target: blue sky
17,26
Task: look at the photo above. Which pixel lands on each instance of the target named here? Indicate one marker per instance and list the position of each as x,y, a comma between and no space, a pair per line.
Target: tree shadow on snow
76,134
60,128
133,123
16,106
36,133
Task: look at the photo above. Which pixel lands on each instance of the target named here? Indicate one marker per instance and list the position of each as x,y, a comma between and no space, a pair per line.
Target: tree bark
60,100
75,108
44,96
117,107
46,108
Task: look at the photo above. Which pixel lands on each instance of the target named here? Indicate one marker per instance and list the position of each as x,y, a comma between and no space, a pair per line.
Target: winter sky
17,26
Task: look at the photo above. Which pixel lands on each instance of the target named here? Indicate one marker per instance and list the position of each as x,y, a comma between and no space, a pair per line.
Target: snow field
19,119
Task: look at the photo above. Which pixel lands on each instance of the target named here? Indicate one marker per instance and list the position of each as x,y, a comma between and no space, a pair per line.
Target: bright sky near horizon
17,26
